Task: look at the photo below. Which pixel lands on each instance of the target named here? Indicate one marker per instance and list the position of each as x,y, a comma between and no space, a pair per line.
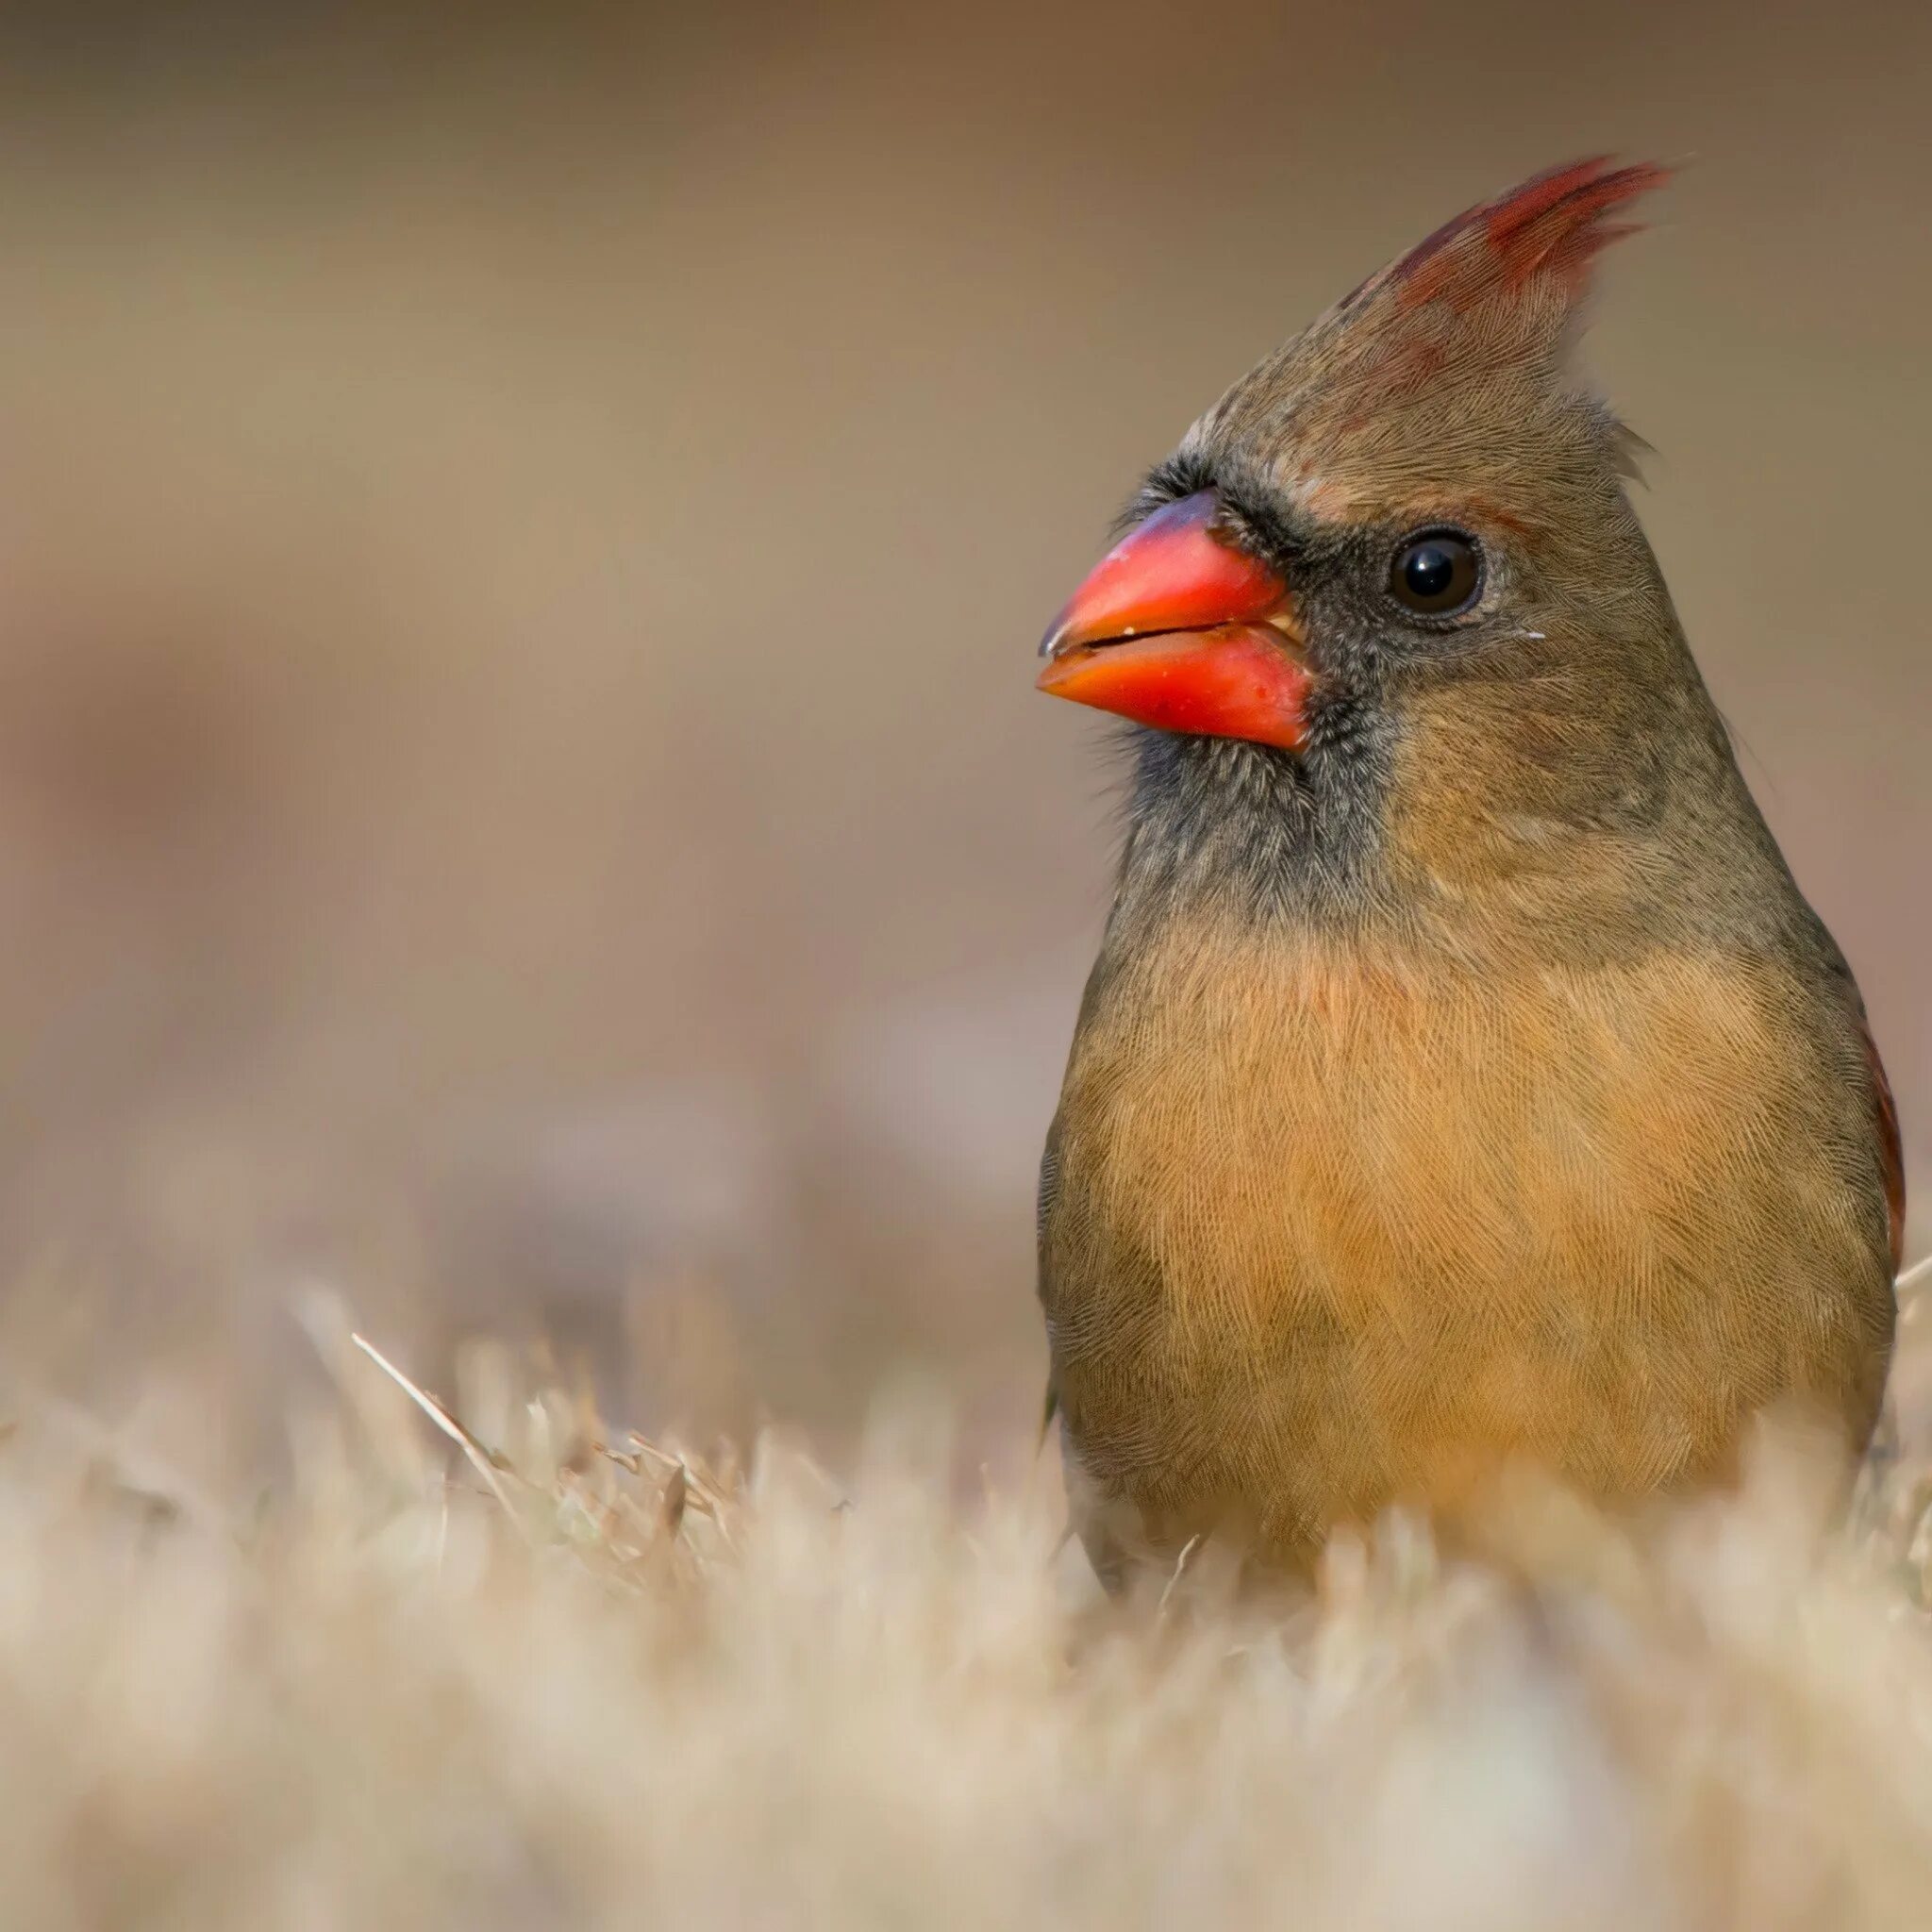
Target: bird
1463,1082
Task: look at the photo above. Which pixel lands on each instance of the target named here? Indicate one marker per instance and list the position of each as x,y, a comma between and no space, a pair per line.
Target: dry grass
508,1671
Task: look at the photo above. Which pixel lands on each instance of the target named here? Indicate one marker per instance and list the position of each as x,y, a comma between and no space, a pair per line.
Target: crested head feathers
1450,362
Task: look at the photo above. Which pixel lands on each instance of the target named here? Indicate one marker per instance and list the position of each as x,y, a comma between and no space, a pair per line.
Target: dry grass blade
626,1460
671,1503
481,1457
1180,1569
697,1492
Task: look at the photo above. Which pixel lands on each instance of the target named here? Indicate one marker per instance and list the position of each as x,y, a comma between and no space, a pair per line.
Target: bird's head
1404,535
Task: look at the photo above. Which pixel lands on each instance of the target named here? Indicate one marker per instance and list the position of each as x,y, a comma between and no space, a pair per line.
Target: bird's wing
1042,1206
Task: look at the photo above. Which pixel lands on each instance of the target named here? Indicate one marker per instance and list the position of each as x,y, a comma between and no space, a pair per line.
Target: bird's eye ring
1436,572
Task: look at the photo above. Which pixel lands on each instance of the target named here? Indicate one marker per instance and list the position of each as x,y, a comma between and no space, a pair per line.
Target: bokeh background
522,537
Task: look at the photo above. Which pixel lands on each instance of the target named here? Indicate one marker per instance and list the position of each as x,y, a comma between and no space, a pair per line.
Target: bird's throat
1250,831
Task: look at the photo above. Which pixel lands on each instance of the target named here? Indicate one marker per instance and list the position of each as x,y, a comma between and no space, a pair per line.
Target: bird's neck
1242,838
1251,831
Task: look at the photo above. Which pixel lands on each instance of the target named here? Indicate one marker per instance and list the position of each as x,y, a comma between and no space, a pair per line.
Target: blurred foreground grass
493,1665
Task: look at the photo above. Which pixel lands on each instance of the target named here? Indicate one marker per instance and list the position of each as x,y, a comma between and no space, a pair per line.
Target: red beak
1177,628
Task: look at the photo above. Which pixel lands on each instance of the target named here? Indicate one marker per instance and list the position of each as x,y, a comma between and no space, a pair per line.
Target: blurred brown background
521,544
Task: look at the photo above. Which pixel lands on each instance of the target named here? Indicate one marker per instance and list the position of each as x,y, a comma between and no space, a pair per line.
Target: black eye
1436,572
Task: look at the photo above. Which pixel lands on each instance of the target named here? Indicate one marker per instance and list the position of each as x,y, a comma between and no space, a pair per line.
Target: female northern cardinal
1462,1077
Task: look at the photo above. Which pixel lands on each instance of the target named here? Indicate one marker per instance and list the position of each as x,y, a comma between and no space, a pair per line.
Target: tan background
521,796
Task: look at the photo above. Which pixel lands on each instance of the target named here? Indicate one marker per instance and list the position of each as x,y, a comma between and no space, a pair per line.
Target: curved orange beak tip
1178,629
